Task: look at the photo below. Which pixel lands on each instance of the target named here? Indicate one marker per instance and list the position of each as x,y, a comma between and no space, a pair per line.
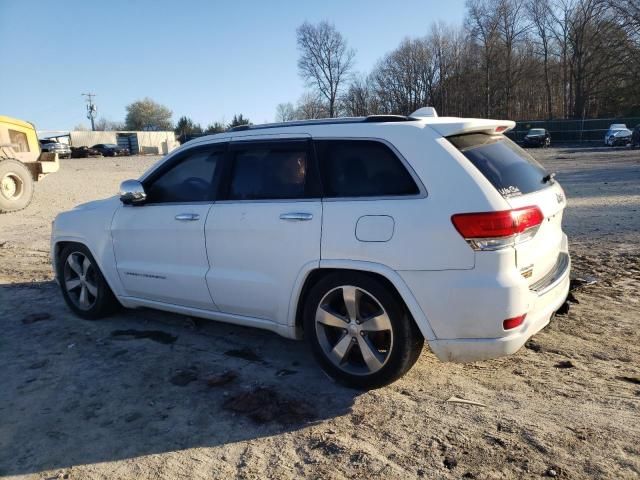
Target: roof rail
325,121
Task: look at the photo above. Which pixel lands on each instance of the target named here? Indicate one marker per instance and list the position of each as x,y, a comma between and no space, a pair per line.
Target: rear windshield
510,169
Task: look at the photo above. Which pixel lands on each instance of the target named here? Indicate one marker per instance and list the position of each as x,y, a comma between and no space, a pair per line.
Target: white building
138,143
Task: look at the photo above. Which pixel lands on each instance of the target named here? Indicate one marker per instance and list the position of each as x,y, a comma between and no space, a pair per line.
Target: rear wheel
84,288
359,331
16,186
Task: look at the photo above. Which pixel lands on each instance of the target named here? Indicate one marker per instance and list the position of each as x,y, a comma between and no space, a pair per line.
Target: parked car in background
84,152
364,236
62,149
111,149
635,136
621,138
618,130
537,137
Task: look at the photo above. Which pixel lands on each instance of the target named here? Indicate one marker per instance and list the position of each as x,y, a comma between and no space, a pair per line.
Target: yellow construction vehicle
21,163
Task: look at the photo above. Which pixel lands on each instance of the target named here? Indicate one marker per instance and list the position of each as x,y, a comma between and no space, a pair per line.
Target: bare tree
310,106
511,29
560,26
539,11
404,80
628,13
103,124
520,59
483,25
325,60
357,101
285,112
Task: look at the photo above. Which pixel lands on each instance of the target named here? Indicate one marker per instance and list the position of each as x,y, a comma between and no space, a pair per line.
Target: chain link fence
587,131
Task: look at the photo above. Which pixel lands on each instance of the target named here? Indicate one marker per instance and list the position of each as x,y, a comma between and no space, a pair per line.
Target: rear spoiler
459,126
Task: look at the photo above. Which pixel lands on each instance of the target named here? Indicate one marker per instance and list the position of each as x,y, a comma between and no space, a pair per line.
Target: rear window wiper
548,178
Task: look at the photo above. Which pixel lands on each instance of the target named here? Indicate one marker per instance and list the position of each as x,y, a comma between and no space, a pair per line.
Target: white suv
364,235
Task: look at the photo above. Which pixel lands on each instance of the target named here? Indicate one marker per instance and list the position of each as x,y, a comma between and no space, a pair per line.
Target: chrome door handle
296,216
187,217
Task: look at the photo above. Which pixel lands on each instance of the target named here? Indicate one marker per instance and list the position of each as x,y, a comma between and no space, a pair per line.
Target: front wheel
359,331
84,288
16,186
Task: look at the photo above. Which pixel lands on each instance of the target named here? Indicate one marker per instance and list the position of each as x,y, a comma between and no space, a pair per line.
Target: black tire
101,304
16,186
405,341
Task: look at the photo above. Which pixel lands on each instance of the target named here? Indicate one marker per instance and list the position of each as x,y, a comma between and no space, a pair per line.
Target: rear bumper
476,349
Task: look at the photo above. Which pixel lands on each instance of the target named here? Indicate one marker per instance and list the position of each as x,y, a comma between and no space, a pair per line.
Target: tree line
516,59
146,114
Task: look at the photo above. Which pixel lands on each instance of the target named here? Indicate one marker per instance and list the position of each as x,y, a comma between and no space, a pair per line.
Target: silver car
62,149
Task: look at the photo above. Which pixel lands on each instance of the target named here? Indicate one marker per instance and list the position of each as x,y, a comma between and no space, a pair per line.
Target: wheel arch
380,272
59,244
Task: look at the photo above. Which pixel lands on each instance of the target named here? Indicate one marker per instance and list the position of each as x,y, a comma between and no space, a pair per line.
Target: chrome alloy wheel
354,330
80,280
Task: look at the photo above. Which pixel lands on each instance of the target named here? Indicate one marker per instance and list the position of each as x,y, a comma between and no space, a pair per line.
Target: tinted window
362,168
510,169
190,180
269,172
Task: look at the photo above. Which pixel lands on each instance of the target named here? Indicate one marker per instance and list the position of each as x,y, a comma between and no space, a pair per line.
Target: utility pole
92,109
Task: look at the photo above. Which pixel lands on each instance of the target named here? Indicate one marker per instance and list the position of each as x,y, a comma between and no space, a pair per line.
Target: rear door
523,182
372,204
265,229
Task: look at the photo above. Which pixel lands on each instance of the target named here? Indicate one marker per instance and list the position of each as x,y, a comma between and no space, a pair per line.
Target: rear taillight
494,230
514,322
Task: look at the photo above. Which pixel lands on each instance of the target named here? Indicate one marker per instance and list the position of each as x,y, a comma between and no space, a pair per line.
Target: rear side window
510,169
190,180
269,171
362,168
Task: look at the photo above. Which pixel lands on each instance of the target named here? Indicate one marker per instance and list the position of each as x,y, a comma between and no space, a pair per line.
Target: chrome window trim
269,200
162,204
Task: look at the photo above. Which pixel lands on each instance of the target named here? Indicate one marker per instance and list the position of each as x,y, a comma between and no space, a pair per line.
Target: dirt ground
145,394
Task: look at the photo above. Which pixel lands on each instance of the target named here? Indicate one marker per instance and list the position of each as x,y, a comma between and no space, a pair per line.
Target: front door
160,246
265,229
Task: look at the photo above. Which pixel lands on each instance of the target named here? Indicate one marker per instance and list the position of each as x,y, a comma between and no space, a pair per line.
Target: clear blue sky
204,59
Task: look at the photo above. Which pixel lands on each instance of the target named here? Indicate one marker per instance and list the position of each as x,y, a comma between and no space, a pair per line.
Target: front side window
18,141
264,172
190,180
362,168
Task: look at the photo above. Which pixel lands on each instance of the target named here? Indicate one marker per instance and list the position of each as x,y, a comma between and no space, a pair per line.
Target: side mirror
132,192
